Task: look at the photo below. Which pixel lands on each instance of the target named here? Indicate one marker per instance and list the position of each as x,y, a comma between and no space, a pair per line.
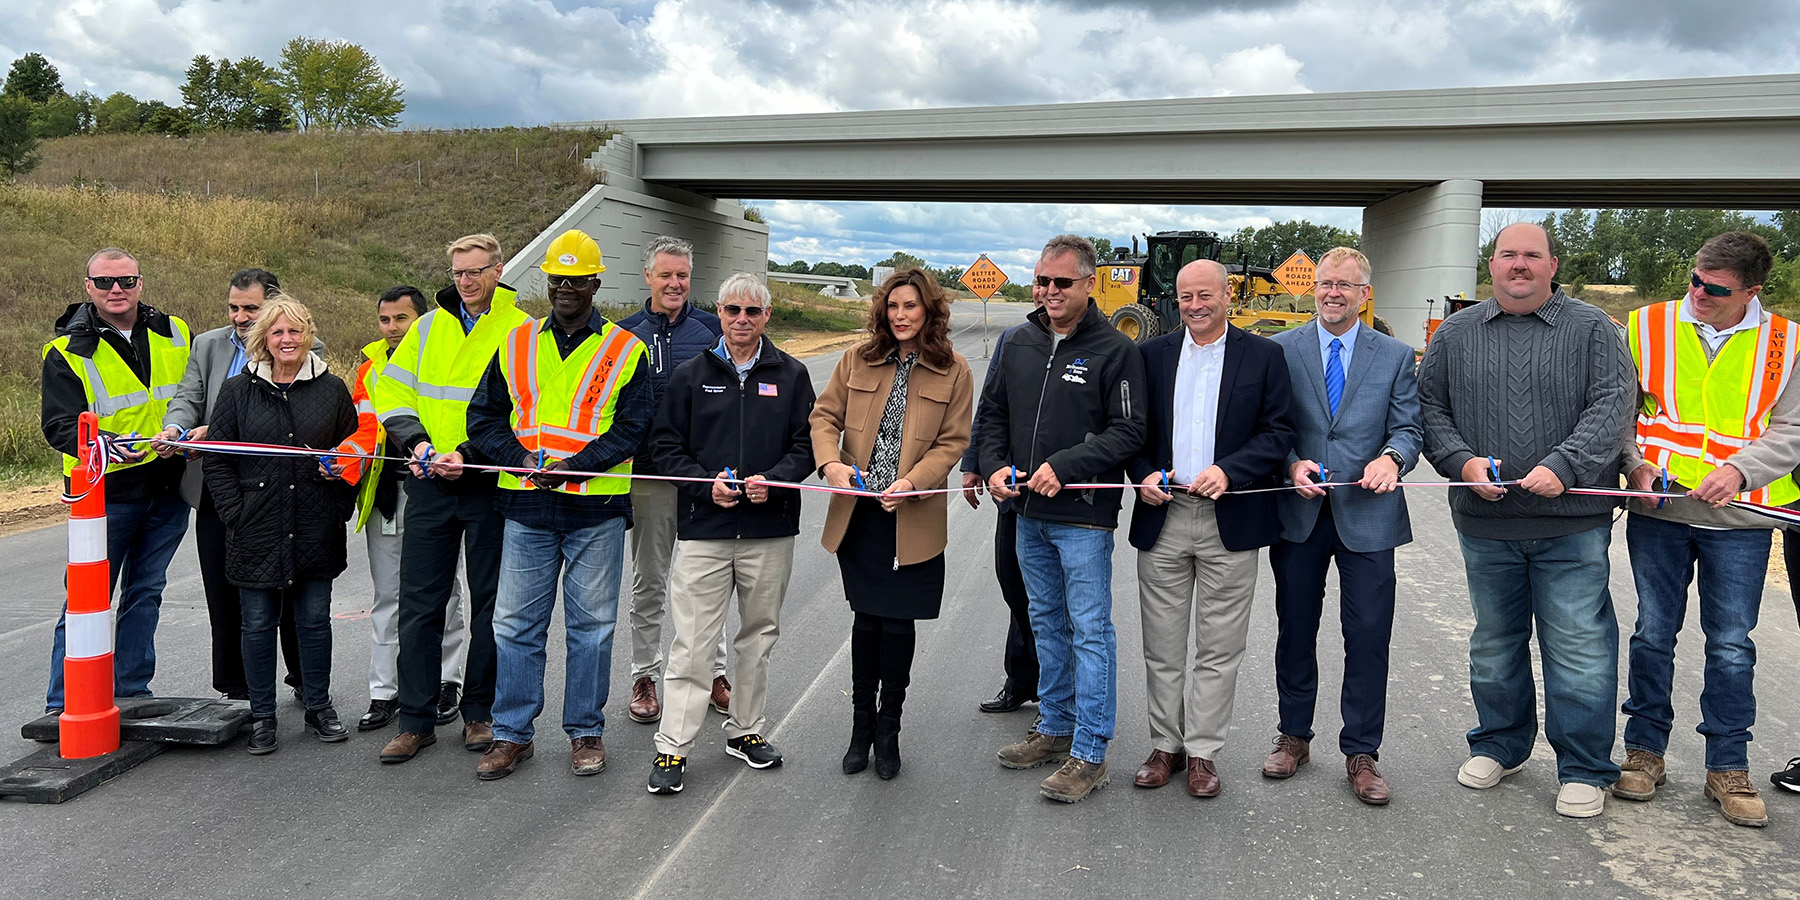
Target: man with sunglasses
1718,420
673,331
121,359
737,414
423,399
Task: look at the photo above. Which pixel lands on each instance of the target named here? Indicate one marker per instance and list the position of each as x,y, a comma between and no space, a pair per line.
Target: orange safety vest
559,405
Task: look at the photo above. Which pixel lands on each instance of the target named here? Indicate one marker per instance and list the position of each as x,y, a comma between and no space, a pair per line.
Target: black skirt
873,583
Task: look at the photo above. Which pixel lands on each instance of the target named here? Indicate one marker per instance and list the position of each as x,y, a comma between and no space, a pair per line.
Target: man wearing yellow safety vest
572,393
422,399
1720,419
380,508
121,359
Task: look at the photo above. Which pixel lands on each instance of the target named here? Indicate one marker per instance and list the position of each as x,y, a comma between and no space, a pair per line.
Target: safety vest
559,405
432,375
114,393
374,360
1696,415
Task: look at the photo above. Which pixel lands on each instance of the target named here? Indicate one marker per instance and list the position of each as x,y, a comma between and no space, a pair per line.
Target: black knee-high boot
865,673
897,640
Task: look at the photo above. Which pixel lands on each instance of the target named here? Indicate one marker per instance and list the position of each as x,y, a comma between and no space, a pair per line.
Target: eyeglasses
732,311
106,282
1342,287
1712,290
572,281
460,274
1062,284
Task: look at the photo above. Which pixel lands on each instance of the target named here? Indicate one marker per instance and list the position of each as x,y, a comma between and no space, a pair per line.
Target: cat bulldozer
1136,291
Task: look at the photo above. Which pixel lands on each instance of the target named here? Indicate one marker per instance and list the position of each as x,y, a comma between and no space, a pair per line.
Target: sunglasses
1062,284
106,282
573,281
732,311
1712,290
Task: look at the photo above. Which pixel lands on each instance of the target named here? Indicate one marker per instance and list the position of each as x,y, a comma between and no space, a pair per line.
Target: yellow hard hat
573,253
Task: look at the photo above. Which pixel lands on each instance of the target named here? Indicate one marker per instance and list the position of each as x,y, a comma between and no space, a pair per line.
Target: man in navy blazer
1219,422
1356,414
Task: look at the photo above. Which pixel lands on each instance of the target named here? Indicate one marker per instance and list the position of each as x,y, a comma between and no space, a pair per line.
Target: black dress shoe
1006,701
262,738
325,724
449,699
380,713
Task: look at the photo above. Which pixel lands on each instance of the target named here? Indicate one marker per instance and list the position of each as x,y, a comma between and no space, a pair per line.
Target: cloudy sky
524,62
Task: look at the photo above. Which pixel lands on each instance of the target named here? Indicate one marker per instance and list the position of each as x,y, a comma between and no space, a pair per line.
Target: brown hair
1740,253
934,337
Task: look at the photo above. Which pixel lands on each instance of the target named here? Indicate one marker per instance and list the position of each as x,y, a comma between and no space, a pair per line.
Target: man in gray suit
1356,415
218,355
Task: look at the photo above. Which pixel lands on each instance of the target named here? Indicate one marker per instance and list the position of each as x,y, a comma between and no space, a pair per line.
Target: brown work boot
477,736
1035,750
405,746
1365,780
1641,775
644,705
501,758
721,695
1289,755
587,756
1074,781
1739,802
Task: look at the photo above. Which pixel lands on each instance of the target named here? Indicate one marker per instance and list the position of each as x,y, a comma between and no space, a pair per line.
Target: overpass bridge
1421,164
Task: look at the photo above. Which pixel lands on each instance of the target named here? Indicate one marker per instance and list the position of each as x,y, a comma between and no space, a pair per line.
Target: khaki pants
652,539
1191,696
704,575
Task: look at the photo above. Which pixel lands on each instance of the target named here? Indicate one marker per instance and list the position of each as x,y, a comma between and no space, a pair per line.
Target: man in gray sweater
1719,418
1539,386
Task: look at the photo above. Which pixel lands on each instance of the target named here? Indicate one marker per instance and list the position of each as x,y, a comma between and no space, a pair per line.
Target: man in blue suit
1356,415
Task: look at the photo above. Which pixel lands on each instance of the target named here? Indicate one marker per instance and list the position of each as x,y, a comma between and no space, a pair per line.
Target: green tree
61,116
1103,247
828,268
161,118
119,113
336,84
34,78
18,146
900,259
855,271
949,277
229,96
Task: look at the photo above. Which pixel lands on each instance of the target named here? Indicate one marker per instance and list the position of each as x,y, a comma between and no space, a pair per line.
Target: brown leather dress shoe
1365,780
501,758
1155,771
1202,778
1289,755
644,705
477,736
587,756
405,746
721,695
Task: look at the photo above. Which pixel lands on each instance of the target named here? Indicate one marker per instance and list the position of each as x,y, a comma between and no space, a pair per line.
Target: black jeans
436,522
1021,646
224,609
311,602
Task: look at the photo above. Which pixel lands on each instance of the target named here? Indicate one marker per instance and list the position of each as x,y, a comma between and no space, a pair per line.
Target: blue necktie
1334,375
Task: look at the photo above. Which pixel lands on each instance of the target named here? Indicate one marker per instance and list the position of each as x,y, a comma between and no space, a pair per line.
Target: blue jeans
1732,566
590,561
312,623
1562,582
141,538
1068,575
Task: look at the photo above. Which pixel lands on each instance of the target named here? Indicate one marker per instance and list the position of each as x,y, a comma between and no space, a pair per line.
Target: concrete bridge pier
1422,245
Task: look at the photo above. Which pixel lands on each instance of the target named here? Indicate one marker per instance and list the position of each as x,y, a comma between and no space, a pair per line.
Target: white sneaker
1483,772
1580,801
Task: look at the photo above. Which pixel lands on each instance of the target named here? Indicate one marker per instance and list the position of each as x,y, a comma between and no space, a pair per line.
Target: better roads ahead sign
984,278
1296,274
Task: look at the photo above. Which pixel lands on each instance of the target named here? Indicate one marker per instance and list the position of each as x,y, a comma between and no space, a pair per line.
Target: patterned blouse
884,464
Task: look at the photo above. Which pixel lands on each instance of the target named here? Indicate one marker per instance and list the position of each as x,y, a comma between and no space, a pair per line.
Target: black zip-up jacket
1079,408
64,399
667,345
709,421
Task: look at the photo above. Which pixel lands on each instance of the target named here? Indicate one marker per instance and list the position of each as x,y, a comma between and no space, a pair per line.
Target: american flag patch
765,389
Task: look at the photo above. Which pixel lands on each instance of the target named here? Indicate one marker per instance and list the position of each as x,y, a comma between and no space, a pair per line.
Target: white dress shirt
1349,339
1716,337
1197,374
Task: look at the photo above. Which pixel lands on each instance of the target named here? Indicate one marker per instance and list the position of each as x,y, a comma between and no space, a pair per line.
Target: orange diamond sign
1296,274
983,278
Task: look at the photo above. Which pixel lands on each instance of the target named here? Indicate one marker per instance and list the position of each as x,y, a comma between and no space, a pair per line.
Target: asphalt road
327,820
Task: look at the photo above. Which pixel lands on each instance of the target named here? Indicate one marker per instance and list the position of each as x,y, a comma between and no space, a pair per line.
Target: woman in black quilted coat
284,515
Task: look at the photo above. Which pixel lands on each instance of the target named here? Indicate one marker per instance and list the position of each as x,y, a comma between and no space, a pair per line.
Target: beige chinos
652,539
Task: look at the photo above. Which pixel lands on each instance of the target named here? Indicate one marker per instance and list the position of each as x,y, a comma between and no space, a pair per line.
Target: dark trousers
224,609
436,523
1790,555
1366,606
310,603
1021,647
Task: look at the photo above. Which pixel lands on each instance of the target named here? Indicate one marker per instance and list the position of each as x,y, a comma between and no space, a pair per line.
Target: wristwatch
1394,455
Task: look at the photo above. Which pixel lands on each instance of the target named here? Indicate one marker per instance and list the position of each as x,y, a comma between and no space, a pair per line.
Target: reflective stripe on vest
560,405
1696,415
115,394
440,379
375,360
